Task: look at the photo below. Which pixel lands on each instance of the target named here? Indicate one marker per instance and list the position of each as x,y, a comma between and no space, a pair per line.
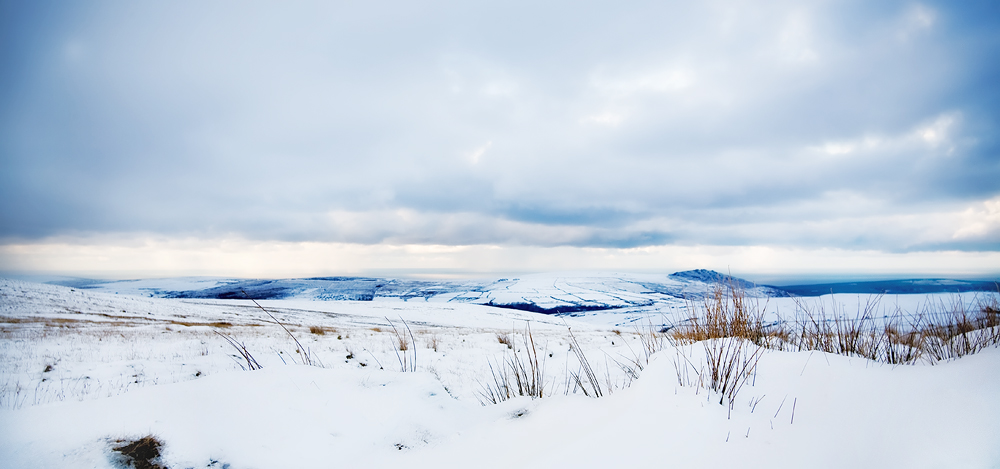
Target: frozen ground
80,368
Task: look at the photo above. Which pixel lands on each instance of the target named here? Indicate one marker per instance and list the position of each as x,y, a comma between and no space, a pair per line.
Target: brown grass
734,333
222,324
128,320
732,329
937,332
726,312
504,338
53,322
434,344
961,332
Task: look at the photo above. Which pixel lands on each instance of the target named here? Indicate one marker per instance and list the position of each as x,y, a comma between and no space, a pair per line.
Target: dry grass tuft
734,333
241,348
731,362
732,329
504,338
726,312
962,332
937,332
404,339
585,379
519,374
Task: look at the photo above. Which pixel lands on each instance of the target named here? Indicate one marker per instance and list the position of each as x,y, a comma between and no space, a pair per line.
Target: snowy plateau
369,372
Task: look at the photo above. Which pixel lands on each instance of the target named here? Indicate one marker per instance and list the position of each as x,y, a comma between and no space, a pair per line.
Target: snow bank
805,410
802,409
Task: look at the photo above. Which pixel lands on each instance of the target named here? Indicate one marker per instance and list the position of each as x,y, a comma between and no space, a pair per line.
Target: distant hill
550,293
893,287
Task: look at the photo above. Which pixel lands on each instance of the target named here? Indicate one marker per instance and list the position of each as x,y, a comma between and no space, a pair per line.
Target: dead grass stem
404,343
520,373
304,354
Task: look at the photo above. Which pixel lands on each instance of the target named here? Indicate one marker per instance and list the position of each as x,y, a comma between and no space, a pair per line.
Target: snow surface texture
83,367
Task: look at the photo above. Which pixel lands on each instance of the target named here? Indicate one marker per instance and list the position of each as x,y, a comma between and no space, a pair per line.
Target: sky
420,138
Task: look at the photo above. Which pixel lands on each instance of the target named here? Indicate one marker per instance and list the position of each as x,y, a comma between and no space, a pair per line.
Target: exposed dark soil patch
143,453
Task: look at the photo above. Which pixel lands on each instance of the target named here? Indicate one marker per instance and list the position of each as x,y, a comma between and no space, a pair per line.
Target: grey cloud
597,124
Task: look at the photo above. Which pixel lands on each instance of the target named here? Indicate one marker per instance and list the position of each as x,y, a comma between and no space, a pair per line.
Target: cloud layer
813,125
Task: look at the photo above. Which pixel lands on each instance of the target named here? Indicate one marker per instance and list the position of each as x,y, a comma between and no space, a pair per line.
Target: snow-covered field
80,369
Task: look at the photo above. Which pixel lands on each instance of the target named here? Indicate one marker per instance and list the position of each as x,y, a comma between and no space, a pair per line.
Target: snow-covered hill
570,292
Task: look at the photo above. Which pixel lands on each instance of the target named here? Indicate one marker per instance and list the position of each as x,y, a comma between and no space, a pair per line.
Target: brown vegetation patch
122,320
143,453
222,324
504,338
937,332
321,330
51,322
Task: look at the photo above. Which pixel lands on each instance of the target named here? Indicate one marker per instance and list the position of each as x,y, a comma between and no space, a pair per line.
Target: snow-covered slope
569,292
80,369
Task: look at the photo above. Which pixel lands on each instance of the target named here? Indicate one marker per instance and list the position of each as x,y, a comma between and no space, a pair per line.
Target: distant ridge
548,293
713,277
893,287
